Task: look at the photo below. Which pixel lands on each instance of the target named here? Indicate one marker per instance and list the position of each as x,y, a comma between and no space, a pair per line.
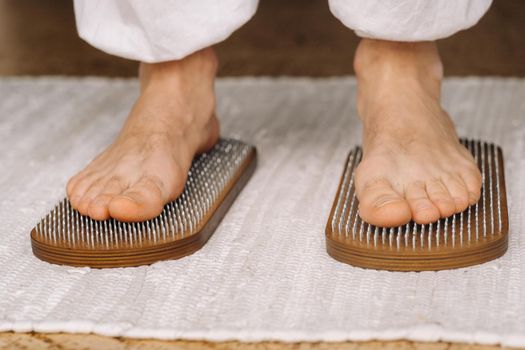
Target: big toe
381,205
142,201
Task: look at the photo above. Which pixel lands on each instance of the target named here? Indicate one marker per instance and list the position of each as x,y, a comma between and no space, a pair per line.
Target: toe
99,206
439,196
381,205
472,181
89,195
79,189
422,208
142,201
458,191
71,184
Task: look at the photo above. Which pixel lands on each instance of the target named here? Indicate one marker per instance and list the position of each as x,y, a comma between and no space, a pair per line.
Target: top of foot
147,165
413,166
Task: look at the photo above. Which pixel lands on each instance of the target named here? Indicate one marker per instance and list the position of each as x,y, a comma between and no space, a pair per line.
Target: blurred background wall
291,37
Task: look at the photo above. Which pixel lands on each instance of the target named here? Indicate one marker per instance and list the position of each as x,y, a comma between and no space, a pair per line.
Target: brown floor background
292,37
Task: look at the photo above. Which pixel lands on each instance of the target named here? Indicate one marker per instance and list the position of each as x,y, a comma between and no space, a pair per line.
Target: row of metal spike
210,173
484,218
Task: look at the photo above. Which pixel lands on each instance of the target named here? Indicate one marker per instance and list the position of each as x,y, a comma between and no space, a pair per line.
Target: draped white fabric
265,273
154,31
408,20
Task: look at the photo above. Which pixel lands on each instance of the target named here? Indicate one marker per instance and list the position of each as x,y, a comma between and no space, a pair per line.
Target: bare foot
147,165
413,165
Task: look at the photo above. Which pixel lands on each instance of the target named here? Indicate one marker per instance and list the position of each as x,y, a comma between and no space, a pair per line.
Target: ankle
385,68
391,57
201,63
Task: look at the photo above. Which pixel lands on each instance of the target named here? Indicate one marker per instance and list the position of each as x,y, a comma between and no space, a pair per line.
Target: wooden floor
293,37
14,341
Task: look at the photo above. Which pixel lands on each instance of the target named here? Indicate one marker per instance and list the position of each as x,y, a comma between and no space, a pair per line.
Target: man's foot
147,165
413,165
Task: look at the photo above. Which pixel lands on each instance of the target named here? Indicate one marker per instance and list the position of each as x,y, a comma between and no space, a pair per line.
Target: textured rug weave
265,273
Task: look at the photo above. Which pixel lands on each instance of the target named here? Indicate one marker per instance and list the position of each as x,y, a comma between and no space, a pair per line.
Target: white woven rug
265,273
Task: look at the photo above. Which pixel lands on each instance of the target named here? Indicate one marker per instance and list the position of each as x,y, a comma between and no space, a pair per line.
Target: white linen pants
164,30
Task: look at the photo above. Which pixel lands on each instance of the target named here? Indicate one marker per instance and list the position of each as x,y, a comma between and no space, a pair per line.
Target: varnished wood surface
59,341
